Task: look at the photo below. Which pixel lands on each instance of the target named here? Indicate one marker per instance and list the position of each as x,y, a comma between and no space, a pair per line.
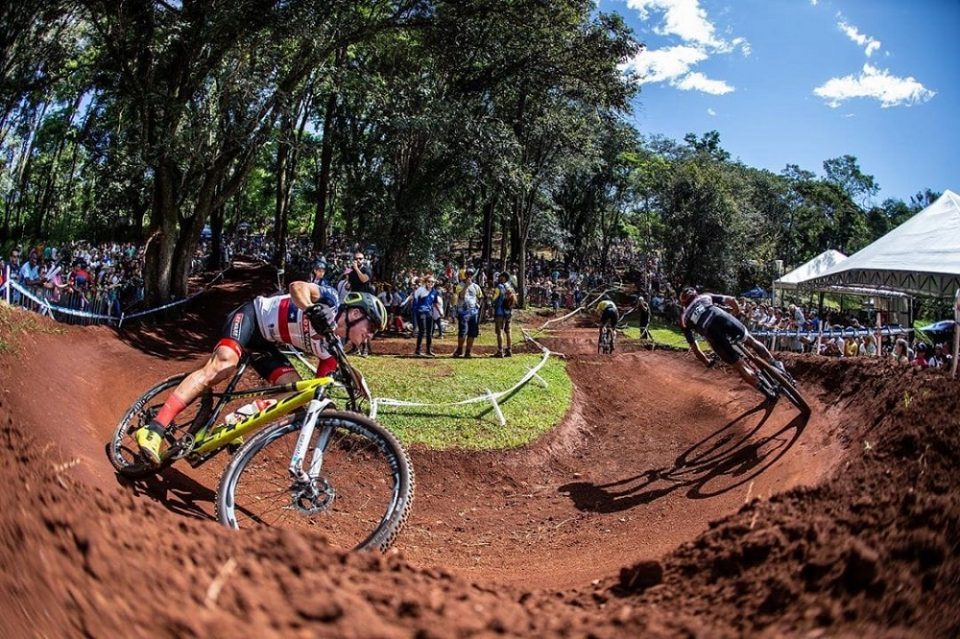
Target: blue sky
803,81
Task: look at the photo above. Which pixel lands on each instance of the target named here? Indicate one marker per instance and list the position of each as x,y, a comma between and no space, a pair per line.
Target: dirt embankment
668,504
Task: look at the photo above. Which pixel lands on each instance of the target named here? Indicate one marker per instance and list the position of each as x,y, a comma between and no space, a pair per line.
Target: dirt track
846,522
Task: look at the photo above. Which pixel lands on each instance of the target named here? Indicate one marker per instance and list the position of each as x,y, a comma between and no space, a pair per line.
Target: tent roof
921,256
813,268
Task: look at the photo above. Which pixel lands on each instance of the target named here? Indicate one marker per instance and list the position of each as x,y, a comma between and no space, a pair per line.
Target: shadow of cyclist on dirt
722,461
176,492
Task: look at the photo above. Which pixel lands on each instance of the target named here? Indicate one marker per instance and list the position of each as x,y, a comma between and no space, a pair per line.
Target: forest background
408,124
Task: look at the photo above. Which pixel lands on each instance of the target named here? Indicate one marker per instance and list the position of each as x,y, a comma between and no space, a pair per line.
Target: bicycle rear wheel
360,501
123,450
785,383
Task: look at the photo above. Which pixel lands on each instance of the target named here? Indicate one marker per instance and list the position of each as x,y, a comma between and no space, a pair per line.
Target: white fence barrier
489,396
44,306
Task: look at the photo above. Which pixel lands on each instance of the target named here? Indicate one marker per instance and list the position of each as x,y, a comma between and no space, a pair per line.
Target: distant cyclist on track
702,312
300,319
609,316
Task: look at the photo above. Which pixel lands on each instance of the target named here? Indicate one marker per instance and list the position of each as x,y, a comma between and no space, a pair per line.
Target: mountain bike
307,465
774,379
607,340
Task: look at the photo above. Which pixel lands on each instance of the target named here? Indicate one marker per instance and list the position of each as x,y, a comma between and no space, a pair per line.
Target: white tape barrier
846,332
48,308
579,309
488,397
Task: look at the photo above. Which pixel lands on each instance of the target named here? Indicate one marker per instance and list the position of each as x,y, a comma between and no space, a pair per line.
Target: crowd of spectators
454,292
98,279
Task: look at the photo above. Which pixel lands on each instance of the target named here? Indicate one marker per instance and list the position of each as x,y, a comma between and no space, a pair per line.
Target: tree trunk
486,250
216,241
504,234
280,211
162,240
319,235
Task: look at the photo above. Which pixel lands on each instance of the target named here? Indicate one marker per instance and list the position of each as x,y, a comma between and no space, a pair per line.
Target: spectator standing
901,352
30,271
936,359
396,302
469,295
504,299
424,300
869,346
438,311
921,357
318,272
360,275
360,280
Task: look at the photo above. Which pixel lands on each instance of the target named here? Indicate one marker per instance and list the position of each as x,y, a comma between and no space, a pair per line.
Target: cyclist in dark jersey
702,313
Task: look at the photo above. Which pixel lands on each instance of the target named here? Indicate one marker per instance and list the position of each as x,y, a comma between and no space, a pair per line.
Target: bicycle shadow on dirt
176,492
726,459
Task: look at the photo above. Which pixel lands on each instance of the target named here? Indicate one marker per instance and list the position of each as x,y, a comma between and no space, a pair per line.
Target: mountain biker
301,319
609,315
702,312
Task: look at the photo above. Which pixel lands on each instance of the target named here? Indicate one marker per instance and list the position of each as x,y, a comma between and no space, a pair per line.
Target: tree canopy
411,124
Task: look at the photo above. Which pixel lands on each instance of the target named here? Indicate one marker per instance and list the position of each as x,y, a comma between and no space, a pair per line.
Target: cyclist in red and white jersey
703,313
300,319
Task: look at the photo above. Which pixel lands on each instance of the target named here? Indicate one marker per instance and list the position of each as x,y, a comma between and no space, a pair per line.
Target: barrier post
496,408
6,282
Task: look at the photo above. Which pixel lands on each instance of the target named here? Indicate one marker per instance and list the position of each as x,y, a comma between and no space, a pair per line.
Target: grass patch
530,412
667,335
15,322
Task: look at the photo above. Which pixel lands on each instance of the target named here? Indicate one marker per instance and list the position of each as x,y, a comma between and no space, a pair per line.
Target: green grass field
530,412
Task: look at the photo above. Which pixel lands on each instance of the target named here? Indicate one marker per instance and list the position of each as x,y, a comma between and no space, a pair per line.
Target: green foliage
411,124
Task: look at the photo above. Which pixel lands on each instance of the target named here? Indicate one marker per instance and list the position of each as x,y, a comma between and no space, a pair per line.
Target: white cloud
813,2
688,21
665,64
696,81
683,18
877,84
870,44
711,111
743,44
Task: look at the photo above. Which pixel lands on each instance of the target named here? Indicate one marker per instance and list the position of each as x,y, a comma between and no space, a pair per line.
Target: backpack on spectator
509,297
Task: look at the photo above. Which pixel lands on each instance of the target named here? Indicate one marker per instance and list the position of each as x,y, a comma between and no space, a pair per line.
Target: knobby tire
787,387
363,460
123,450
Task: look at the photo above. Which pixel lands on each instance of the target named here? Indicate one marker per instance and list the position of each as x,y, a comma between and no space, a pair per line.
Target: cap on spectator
921,346
320,263
504,275
470,272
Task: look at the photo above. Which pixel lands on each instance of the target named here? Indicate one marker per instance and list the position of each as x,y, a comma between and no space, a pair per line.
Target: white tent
815,267
921,256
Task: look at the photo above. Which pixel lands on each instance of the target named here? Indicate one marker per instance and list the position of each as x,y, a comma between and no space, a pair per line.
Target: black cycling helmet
371,306
687,295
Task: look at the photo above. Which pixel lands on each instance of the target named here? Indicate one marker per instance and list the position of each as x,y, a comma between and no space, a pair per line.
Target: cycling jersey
699,314
721,329
280,320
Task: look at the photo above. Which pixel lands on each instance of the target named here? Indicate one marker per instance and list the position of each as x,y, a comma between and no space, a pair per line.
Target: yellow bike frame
218,436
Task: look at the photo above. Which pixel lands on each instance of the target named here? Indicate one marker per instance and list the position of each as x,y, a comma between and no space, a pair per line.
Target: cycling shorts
241,333
609,317
723,331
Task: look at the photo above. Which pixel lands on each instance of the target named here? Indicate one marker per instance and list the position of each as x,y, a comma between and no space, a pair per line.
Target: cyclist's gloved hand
322,317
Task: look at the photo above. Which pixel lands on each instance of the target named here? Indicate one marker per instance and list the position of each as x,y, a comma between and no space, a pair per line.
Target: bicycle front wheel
361,500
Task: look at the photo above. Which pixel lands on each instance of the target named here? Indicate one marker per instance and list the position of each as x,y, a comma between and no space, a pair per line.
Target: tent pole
956,333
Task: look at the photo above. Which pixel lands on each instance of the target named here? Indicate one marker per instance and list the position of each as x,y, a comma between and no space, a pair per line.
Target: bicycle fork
314,408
